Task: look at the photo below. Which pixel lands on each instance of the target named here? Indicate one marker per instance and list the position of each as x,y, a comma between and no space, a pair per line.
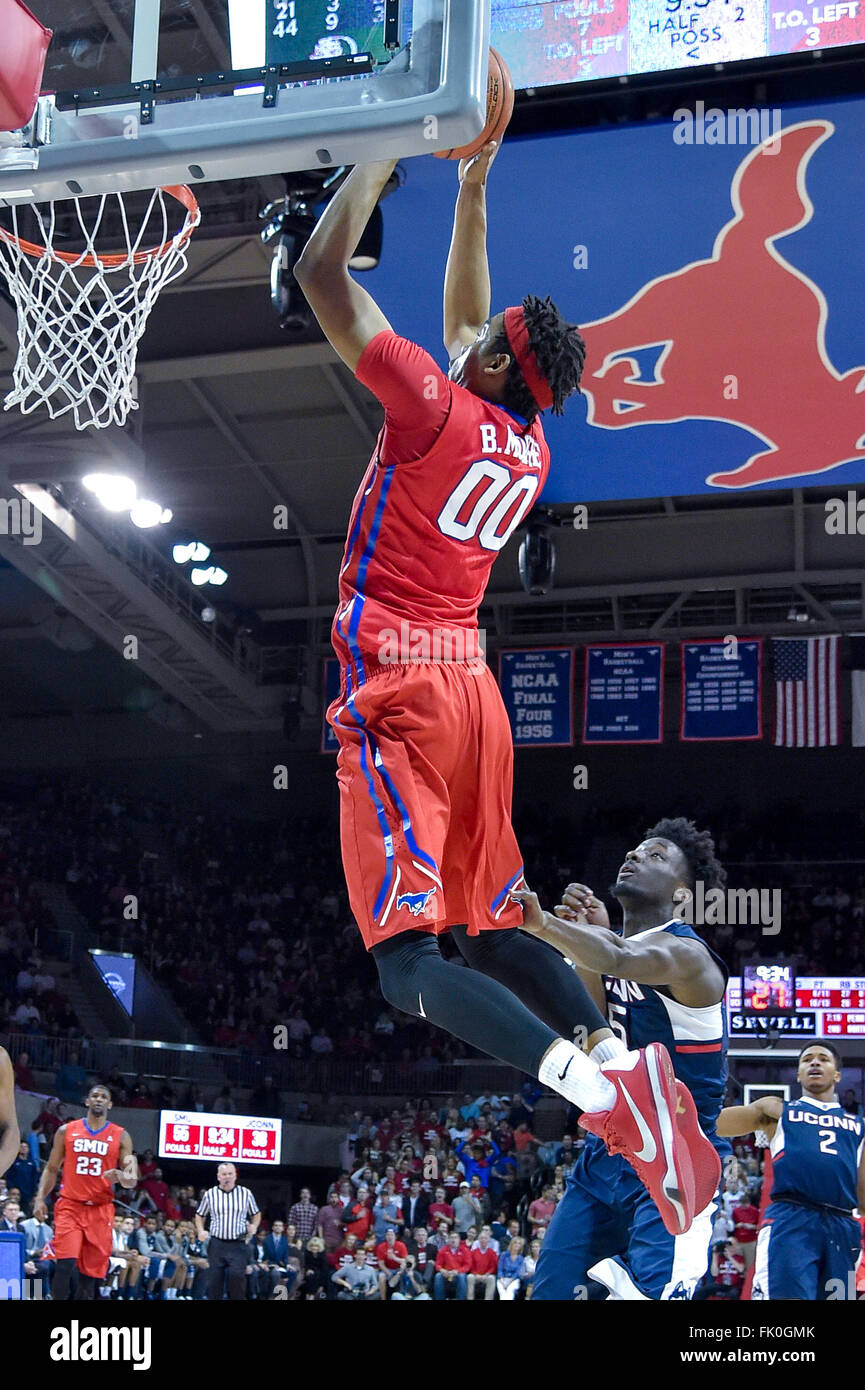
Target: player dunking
93,1154
426,761
809,1241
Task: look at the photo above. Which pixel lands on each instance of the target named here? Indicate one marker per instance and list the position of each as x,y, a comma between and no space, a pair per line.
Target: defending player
10,1137
93,1154
426,760
660,983
809,1241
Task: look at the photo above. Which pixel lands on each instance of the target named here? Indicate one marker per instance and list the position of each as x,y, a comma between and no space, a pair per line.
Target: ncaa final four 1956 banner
538,690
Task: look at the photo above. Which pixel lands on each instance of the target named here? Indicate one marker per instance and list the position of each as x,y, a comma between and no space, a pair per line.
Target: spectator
330,1222
23,1073
156,1189
453,1264
410,1286
511,1270
392,1256
23,1174
387,1212
275,1268
530,1264
321,1044
726,1274
484,1263
11,1214
478,1159
316,1279
746,1219
424,1253
359,1217
357,1280
467,1209
303,1215
71,1080
415,1206
441,1209
541,1210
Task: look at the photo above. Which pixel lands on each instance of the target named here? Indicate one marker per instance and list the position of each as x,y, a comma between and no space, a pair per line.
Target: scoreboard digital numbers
768,989
583,40
220,1138
826,1007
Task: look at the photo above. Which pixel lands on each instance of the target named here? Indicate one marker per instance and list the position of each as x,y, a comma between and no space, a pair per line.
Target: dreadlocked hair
560,352
697,846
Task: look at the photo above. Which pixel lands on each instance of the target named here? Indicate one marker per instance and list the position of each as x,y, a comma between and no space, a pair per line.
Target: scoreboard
548,42
827,1006
220,1138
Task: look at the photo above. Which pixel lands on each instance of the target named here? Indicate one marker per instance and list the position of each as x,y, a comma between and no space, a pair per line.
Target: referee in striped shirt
234,1220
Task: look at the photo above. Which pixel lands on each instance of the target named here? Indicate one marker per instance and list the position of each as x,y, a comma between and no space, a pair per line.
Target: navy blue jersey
696,1039
816,1150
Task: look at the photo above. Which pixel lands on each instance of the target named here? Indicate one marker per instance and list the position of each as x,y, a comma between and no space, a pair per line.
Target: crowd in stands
247,924
449,1202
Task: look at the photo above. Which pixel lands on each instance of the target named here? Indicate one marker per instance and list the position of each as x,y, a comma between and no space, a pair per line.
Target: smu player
425,764
93,1154
659,982
809,1241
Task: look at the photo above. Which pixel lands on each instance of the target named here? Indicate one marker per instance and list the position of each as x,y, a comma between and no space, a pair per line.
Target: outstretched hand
580,905
477,166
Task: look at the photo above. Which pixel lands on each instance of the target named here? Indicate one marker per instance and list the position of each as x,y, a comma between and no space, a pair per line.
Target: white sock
575,1076
608,1049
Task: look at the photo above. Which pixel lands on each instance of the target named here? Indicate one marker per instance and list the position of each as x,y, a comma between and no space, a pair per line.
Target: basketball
500,108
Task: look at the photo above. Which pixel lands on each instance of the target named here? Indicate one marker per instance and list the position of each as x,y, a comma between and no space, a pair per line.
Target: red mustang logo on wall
741,335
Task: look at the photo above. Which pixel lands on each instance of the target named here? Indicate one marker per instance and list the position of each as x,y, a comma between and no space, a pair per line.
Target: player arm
745,1119
468,292
860,1182
660,959
127,1171
349,317
10,1135
50,1173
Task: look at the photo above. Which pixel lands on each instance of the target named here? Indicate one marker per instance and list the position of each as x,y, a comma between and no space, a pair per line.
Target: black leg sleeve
61,1288
537,974
418,980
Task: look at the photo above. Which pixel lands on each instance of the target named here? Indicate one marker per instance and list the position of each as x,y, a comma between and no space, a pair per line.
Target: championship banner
624,695
220,1138
538,690
330,688
721,690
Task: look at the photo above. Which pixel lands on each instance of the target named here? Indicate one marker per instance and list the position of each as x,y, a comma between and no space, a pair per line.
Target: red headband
518,337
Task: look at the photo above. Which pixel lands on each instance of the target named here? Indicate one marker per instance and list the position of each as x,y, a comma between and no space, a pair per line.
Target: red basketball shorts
83,1233
425,772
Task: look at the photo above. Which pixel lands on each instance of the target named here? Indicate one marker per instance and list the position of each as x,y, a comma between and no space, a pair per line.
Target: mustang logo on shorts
415,902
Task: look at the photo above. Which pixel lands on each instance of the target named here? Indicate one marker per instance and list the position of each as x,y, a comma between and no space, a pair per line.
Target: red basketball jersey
425,531
89,1154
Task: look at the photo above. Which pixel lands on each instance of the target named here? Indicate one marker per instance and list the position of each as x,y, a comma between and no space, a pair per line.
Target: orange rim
180,192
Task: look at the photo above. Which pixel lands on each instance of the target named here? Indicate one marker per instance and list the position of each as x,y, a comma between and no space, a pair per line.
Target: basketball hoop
81,315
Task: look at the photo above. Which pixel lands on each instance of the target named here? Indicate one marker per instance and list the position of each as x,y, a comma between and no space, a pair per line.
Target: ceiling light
115,492
195,550
148,514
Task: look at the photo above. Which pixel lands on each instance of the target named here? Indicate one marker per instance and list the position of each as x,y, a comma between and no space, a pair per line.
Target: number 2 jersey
89,1154
452,477
816,1150
696,1038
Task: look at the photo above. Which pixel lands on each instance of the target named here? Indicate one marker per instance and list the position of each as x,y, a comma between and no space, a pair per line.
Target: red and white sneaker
704,1157
642,1127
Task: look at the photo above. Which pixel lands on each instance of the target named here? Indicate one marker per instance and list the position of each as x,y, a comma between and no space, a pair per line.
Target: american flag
806,691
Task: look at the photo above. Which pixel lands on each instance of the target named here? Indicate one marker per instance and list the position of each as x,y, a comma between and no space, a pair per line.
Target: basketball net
81,315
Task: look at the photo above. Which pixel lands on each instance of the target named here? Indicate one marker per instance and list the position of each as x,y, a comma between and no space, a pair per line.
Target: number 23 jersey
816,1149
89,1154
452,477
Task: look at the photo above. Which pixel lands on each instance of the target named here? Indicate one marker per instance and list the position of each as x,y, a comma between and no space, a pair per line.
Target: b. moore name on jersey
523,447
